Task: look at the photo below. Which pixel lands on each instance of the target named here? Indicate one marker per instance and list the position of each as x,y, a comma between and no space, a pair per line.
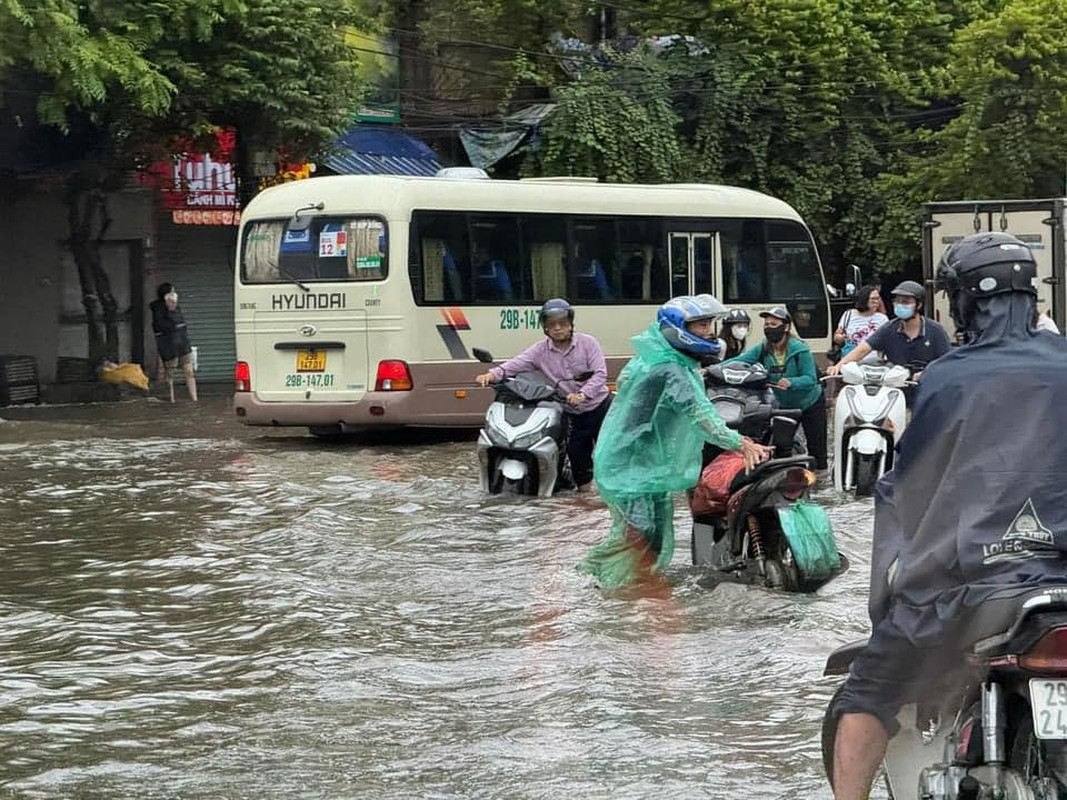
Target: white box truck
1039,223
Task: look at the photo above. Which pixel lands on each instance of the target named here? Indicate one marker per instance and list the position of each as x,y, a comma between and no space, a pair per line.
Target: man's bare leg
859,750
190,380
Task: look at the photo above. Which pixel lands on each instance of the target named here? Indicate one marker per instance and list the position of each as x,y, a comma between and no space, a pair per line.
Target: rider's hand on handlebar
754,453
575,399
484,379
833,369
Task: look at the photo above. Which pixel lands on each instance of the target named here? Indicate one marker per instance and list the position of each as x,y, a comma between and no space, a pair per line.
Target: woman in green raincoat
651,441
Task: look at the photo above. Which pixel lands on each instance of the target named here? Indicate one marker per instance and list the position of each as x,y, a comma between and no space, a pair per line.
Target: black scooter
767,530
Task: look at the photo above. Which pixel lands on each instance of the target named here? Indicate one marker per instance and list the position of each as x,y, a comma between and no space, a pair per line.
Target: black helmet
982,265
910,289
556,307
737,316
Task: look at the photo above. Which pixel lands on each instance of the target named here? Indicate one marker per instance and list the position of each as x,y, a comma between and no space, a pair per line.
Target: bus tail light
393,376
242,377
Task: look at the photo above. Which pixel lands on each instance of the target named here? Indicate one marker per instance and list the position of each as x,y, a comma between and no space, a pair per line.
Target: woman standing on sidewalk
172,338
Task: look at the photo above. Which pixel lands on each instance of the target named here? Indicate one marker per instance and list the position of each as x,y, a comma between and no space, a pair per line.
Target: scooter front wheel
866,473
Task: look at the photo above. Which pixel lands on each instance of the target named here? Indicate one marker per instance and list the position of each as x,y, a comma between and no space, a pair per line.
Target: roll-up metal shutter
198,260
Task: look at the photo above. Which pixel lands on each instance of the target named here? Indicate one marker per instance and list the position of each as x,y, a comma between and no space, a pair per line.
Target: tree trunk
89,221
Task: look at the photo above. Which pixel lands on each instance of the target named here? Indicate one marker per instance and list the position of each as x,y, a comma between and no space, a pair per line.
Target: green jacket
804,387
653,435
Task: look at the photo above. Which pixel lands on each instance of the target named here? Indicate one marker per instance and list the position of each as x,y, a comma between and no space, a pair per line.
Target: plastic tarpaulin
380,150
810,535
487,145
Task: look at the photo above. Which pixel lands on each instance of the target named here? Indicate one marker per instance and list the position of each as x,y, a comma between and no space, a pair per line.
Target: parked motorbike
997,727
869,417
522,444
761,526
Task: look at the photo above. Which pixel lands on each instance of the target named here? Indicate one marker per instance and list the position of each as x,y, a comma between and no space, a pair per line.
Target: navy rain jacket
976,499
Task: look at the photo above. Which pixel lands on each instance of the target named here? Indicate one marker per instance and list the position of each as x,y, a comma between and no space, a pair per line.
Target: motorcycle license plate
310,360
1048,700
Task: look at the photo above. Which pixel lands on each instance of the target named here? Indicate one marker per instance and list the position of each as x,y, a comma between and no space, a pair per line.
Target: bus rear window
314,249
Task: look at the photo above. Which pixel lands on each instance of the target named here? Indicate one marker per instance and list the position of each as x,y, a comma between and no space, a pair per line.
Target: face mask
903,312
774,335
739,332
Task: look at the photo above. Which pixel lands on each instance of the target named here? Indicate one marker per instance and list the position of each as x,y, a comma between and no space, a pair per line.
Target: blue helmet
679,311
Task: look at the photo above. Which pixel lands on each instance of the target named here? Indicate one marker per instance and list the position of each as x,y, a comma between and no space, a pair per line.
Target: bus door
693,264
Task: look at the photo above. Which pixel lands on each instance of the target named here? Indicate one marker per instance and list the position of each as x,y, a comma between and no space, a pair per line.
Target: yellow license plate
310,360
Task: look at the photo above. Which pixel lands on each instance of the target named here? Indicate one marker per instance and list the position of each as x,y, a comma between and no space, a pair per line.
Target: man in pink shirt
563,354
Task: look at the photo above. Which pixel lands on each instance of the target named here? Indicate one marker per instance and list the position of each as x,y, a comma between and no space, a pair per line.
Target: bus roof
395,195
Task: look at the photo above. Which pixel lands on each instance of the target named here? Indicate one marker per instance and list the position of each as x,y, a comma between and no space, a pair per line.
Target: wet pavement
194,609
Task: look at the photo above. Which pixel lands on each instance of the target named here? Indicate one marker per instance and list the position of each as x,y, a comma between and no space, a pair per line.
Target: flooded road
193,609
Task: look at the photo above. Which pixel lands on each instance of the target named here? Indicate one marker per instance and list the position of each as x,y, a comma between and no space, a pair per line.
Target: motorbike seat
743,479
841,659
1004,615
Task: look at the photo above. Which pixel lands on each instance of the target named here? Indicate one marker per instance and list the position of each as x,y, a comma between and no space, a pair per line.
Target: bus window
744,262
444,264
544,241
327,249
793,268
497,259
593,265
644,277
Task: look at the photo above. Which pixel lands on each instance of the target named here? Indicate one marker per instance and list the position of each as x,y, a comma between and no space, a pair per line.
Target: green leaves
165,70
837,106
616,123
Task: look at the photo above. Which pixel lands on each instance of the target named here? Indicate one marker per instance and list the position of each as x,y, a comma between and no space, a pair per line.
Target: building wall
38,271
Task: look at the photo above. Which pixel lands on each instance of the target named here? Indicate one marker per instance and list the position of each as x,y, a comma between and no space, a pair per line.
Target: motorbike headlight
497,437
528,439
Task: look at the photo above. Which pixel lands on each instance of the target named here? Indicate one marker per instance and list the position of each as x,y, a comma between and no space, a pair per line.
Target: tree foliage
616,124
129,82
834,105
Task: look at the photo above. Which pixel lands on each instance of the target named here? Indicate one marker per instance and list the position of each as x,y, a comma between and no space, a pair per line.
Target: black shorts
892,671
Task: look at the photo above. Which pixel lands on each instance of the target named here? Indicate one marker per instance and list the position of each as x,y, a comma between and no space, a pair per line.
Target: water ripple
238,616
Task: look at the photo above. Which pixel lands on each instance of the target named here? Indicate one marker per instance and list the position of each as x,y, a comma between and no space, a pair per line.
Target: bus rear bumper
373,410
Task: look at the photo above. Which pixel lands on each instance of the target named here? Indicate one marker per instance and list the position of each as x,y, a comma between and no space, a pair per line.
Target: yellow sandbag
127,373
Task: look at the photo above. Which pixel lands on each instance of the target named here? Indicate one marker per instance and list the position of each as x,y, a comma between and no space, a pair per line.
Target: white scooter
521,446
869,417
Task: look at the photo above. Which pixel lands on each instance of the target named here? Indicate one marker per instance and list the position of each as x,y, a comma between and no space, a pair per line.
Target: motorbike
995,728
869,417
760,527
522,446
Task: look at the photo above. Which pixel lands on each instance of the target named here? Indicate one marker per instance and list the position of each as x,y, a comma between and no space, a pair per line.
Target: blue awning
378,150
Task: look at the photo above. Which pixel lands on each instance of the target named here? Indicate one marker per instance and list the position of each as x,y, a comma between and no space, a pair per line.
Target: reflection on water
192,609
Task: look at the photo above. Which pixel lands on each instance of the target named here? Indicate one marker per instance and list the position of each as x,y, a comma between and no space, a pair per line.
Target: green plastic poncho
650,446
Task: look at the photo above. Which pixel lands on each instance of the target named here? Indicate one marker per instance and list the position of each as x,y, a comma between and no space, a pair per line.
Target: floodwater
194,609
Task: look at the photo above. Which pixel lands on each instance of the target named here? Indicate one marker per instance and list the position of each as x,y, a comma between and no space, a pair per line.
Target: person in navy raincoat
974,504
